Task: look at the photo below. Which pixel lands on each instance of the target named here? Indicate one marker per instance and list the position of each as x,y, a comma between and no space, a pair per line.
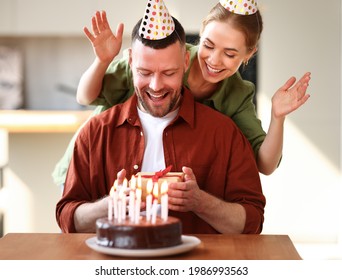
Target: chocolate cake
144,235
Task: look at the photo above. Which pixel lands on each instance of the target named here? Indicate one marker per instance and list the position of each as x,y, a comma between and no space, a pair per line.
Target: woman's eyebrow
226,49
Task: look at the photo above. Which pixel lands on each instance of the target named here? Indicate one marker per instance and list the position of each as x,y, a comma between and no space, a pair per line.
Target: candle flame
139,181
164,187
149,186
115,185
125,183
155,190
138,193
133,183
122,193
112,190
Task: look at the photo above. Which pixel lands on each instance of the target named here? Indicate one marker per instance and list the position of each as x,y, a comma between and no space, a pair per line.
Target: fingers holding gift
183,196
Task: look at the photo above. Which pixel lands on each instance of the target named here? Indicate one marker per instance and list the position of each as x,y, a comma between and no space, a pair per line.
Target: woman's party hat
157,22
241,7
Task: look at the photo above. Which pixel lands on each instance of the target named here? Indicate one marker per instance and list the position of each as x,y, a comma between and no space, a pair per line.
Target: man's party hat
157,23
241,7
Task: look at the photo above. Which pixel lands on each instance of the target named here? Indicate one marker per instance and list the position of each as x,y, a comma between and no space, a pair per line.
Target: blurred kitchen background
43,54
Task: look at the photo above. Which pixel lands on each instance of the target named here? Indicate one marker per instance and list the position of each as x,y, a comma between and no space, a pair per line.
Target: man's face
158,76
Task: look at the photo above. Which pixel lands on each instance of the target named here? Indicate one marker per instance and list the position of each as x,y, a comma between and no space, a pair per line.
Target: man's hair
177,35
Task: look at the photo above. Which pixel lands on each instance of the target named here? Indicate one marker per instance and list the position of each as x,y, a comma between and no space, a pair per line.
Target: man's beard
150,109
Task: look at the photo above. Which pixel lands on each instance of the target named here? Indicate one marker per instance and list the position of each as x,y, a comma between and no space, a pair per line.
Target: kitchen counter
28,121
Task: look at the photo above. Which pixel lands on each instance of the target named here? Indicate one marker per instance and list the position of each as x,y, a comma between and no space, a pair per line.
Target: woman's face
222,50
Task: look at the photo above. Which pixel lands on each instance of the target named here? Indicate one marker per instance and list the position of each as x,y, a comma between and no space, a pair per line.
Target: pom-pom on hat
241,7
157,22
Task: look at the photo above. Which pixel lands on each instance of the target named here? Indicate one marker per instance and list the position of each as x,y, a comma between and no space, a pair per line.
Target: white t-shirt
153,128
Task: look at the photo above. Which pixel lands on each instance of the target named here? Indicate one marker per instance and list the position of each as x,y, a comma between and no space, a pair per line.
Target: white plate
188,243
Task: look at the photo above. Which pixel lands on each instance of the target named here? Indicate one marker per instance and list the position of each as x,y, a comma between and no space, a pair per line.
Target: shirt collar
129,112
187,108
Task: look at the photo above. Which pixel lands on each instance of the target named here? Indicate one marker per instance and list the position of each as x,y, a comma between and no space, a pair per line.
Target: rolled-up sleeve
75,192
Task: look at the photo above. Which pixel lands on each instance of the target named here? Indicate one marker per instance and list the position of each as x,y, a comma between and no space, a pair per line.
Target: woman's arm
106,47
286,100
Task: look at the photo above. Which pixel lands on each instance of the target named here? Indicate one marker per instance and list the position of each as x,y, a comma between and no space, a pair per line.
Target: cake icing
144,235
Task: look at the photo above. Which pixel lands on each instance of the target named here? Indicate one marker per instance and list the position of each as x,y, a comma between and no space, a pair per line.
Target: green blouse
234,98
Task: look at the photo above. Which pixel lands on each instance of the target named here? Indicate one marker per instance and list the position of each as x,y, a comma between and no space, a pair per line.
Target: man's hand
185,196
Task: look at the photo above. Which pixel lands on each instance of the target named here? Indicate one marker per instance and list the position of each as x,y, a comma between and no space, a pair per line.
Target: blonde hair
250,25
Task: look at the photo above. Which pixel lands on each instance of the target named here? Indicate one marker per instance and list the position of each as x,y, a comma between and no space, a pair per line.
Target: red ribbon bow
159,174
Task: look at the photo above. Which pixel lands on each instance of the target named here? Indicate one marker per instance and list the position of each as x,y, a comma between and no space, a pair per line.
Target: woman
227,41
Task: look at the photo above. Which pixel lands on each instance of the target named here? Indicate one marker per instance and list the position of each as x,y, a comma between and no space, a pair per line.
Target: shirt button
141,133
136,166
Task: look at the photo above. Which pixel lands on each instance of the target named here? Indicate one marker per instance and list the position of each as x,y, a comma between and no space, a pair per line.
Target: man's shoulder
104,119
204,111
204,115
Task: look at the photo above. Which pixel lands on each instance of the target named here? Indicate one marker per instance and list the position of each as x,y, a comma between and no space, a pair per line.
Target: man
162,125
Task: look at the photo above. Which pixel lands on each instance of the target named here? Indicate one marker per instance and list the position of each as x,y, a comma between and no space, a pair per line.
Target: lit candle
149,188
124,203
138,193
115,198
110,204
164,201
137,205
120,197
155,203
139,181
132,198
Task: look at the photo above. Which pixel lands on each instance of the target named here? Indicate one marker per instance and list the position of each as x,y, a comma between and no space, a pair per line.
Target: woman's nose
214,58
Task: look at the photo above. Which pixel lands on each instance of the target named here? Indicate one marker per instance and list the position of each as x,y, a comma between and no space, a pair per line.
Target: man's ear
130,57
187,61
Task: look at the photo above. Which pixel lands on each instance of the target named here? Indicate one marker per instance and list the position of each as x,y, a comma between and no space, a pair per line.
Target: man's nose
156,83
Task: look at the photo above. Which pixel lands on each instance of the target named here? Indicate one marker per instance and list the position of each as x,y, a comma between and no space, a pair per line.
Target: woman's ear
252,53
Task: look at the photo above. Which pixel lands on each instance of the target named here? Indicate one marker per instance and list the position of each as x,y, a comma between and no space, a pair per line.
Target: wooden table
58,246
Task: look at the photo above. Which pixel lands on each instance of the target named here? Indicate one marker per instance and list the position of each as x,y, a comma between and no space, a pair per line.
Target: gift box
157,177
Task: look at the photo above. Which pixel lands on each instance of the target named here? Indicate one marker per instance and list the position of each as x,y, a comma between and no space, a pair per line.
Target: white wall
29,196
304,195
